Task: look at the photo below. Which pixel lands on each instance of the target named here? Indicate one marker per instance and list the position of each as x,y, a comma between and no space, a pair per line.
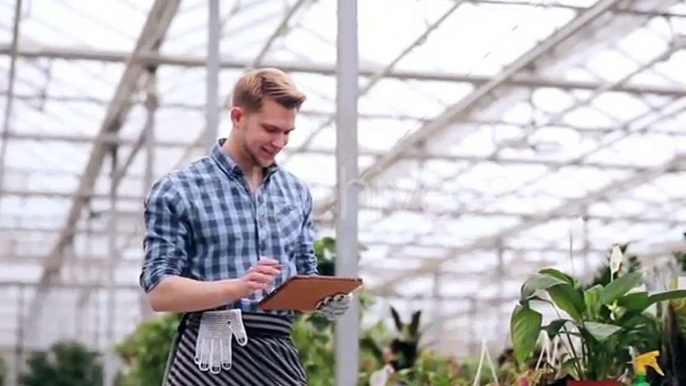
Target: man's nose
280,142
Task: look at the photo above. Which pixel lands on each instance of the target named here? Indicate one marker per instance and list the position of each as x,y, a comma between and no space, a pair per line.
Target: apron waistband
256,324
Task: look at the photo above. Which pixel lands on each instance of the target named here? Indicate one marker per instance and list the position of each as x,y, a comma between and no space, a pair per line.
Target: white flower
616,260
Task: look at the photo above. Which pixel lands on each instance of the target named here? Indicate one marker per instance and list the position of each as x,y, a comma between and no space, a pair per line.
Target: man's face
264,134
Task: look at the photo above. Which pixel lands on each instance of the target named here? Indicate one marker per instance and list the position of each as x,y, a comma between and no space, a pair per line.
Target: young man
221,232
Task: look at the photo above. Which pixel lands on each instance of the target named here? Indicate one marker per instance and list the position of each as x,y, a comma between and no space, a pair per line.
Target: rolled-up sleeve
306,260
166,234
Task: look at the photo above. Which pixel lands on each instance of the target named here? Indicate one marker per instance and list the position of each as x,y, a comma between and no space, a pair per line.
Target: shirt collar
229,165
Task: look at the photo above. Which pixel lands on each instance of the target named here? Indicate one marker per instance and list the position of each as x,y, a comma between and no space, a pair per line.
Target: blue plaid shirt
203,223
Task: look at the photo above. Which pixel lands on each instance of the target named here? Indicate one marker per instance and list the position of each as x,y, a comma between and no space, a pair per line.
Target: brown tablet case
304,292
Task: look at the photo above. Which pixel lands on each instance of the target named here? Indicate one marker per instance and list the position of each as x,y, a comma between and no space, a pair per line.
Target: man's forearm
180,294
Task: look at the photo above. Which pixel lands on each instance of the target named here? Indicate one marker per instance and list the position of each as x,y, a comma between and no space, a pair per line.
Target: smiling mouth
268,152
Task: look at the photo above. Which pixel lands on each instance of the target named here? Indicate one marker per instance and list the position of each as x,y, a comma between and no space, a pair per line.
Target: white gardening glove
381,376
332,307
213,347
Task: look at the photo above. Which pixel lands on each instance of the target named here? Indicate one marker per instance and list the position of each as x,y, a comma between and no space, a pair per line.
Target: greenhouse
507,178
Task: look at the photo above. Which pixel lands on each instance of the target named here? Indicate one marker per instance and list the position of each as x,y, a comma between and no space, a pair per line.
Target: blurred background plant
145,352
4,371
64,364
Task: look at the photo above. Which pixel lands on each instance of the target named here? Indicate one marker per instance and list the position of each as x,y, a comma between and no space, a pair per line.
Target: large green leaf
568,299
667,295
537,282
525,326
637,301
601,331
592,300
553,328
560,275
620,287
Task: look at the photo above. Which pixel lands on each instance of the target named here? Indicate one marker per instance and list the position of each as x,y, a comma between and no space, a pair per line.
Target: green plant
3,371
313,338
605,320
673,349
433,369
65,364
402,358
533,372
145,352
673,336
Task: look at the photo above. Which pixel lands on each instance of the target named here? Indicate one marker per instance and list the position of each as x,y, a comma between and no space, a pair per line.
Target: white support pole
347,328
212,74
109,375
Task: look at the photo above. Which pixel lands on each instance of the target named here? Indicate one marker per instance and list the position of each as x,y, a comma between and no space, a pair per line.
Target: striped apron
268,358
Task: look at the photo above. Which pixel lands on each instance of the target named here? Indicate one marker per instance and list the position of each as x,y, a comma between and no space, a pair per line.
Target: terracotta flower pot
607,382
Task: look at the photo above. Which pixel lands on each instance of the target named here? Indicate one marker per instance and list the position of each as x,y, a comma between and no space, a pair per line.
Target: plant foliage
65,364
145,352
606,320
673,336
4,371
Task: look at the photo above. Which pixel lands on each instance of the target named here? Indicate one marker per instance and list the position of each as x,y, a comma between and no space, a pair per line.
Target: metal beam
153,33
70,285
478,96
378,76
519,80
567,207
621,11
483,212
79,195
7,121
197,107
417,155
111,139
546,56
280,30
638,124
212,74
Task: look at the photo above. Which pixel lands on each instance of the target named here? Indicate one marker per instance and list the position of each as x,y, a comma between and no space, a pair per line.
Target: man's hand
333,307
259,277
180,294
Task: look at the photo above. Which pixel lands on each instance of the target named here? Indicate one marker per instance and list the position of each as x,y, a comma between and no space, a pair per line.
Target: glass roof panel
501,165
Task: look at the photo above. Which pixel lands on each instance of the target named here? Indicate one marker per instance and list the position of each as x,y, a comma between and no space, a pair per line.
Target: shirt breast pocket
288,219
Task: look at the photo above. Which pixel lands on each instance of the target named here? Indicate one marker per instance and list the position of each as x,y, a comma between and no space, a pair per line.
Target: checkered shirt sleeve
167,235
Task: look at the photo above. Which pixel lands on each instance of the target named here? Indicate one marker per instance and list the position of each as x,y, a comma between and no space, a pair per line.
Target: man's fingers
260,277
254,286
267,261
265,270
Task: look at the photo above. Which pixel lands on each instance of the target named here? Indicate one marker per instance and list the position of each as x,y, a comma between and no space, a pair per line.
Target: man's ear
237,116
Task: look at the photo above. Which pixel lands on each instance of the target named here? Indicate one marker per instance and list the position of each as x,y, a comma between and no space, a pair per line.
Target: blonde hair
256,85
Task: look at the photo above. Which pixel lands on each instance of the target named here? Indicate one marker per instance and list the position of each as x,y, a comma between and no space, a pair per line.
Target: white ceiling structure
488,131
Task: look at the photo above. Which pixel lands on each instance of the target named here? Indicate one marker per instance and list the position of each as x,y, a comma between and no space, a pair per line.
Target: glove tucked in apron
213,346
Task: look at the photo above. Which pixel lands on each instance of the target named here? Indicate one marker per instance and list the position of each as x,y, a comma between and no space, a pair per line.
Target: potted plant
601,325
